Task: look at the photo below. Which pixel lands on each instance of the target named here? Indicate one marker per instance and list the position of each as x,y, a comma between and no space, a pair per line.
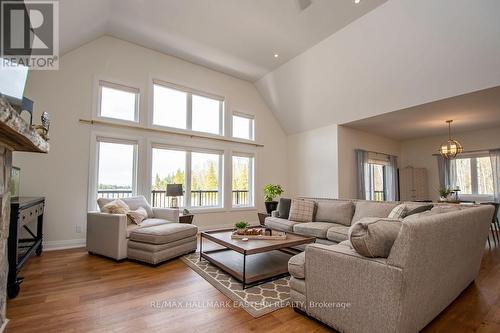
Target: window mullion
188,179
251,163
189,113
473,175
221,181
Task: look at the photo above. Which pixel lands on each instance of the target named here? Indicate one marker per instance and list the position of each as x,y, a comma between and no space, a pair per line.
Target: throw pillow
137,216
301,210
374,237
116,207
284,208
418,209
335,211
398,212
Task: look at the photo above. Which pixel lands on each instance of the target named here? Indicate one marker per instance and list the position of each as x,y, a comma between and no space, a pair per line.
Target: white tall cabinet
413,184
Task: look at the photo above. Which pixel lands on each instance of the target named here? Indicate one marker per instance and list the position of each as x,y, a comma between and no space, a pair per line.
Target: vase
271,206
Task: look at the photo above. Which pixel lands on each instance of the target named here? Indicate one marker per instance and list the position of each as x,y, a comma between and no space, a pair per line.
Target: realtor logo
30,34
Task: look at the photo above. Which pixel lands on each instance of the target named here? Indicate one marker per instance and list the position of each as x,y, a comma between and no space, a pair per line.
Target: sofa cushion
302,210
296,266
372,209
314,229
338,233
374,237
164,233
416,209
132,202
335,211
284,208
280,224
145,224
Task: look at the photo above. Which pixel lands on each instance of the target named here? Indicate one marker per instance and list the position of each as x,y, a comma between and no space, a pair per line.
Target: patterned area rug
257,301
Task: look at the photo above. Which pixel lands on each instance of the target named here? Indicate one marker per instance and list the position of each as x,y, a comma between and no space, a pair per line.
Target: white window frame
251,129
121,87
97,138
189,105
475,196
188,172
251,180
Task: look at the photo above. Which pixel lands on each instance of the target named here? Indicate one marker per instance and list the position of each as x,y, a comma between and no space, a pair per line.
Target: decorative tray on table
258,233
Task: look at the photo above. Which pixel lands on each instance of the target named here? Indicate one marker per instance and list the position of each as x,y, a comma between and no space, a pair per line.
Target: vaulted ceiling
338,61
238,37
402,54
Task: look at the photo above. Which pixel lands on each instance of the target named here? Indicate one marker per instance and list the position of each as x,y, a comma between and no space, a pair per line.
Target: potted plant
270,192
444,193
241,227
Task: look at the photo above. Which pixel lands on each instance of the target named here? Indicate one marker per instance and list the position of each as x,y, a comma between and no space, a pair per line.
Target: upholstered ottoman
156,244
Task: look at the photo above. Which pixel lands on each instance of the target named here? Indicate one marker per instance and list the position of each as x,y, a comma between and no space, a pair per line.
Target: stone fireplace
15,135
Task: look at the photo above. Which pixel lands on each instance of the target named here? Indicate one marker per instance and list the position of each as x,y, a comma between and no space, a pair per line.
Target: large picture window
116,174
474,176
242,182
187,109
168,167
199,172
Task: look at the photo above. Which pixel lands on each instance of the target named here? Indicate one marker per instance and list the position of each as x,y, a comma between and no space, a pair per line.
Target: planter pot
271,205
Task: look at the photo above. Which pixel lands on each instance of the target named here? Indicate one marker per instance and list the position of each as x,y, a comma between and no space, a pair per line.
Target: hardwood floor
70,291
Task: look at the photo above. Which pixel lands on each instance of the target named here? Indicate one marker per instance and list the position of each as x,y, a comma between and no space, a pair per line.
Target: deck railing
199,198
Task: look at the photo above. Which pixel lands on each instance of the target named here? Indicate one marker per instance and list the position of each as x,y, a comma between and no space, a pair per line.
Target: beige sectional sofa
333,218
435,256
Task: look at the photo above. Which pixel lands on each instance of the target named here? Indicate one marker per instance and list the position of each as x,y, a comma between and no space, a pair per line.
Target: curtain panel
365,189
495,168
364,181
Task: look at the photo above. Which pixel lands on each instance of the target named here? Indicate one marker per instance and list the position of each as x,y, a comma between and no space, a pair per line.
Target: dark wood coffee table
254,261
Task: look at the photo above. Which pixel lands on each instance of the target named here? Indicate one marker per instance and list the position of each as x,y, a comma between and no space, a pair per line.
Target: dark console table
23,210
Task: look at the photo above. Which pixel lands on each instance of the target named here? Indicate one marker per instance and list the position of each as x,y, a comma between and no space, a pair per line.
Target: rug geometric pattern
257,300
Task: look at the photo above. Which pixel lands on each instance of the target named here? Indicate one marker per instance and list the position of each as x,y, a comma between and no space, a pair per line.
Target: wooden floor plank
70,291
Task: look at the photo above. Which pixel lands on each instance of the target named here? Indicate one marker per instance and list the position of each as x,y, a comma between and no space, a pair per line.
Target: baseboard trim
64,244
4,325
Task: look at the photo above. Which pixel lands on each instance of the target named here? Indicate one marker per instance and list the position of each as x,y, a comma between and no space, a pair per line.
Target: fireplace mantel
15,135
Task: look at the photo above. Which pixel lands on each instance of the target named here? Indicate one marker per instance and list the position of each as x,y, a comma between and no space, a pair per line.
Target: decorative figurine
43,129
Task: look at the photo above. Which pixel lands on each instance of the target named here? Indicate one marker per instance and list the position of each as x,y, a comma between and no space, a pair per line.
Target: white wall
312,163
350,139
418,153
403,53
67,94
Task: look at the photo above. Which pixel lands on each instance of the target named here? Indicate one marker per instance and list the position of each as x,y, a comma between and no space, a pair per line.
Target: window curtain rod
375,152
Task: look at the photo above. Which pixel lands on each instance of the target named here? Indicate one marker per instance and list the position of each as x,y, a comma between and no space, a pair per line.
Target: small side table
186,218
262,218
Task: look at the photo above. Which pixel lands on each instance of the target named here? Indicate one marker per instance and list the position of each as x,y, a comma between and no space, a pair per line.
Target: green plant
272,191
444,192
242,225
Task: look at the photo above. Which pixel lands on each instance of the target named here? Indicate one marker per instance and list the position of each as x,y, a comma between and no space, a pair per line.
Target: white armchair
107,234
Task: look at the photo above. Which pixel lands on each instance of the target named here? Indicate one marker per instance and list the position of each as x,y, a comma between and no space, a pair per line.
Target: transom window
188,109
116,174
243,126
474,175
118,101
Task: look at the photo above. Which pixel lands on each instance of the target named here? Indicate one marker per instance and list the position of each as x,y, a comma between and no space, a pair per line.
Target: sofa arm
343,286
275,213
170,214
107,234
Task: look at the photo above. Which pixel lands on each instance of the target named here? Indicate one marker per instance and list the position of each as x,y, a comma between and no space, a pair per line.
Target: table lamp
174,191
